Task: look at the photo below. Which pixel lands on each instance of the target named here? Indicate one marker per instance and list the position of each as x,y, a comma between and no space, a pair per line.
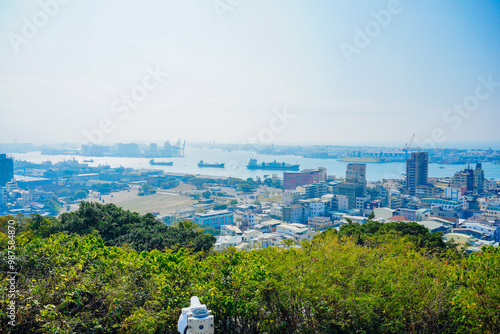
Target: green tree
245,187
71,283
80,194
206,194
119,227
220,207
64,192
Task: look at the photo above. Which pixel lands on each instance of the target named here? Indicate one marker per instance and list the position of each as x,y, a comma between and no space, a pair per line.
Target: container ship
215,165
252,164
166,163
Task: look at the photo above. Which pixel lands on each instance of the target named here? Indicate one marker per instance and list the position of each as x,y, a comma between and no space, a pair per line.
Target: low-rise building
230,230
298,231
383,213
434,226
271,224
442,203
250,234
492,211
87,177
276,211
291,197
410,214
313,207
248,219
319,222
454,194
314,190
356,219
293,213
214,218
492,231
225,241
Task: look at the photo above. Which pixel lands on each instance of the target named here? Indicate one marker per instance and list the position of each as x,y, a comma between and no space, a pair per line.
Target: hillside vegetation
365,279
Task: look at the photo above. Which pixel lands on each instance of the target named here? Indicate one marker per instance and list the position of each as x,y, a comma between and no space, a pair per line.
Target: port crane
408,145
180,146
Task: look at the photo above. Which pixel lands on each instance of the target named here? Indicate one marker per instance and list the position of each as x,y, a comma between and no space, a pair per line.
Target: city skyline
323,73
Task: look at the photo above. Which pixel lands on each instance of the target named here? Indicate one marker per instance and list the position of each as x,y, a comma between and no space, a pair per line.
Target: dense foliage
118,227
414,232
334,284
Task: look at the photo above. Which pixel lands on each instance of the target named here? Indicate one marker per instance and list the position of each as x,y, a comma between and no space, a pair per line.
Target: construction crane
407,146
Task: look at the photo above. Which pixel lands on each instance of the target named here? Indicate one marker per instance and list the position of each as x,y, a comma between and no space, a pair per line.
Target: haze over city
249,166
357,72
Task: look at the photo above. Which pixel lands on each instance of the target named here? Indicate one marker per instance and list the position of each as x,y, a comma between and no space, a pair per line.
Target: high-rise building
472,179
356,173
463,178
417,171
351,190
478,178
6,170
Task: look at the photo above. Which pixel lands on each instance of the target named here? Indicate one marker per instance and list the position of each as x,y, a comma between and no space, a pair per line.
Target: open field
269,199
163,201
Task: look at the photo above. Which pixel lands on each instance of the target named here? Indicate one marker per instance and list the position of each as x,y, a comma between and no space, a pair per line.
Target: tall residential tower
417,171
6,169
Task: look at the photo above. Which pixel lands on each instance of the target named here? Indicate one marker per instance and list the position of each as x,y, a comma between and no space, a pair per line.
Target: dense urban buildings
249,211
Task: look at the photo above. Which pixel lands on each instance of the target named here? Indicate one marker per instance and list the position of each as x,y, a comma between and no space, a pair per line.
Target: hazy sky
346,72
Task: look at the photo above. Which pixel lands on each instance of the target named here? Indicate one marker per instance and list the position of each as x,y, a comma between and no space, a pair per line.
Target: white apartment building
291,197
248,219
298,231
319,222
276,210
453,194
230,230
492,211
224,241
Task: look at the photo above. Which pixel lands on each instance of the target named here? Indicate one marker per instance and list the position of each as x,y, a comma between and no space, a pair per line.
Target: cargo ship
252,164
167,163
215,165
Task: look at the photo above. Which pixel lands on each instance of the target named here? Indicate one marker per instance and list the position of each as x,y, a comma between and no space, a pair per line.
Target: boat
252,164
161,163
215,165
91,160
